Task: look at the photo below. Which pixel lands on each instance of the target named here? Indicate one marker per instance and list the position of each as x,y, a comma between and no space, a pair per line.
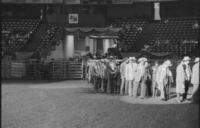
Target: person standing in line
195,81
123,89
183,76
154,83
128,75
111,70
103,75
130,70
164,79
95,76
145,77
138,75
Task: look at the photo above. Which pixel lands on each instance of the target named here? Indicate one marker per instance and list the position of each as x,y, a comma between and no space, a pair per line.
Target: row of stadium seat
132,29
176,31
15,33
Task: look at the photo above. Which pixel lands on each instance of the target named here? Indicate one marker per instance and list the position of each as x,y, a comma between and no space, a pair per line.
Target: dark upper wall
146,10
84,1
179,9
134,10
20,11
167,9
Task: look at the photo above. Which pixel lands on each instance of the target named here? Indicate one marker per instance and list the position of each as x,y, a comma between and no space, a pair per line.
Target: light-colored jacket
154,71
162,75
130,71
139,72
181,77
195,74
122,69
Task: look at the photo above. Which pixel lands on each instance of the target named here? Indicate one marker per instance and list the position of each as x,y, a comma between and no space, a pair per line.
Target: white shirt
130,70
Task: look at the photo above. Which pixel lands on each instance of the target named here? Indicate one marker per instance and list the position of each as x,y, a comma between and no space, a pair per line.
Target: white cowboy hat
140,59
196,59
186,58
111,57
143,59
132,58
168,63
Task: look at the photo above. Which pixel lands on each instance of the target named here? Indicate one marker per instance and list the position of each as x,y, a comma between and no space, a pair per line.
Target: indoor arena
100,63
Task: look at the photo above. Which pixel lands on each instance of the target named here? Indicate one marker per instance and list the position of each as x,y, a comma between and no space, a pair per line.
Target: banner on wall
73,18
32,1
43,1
13,1
122,1
72,1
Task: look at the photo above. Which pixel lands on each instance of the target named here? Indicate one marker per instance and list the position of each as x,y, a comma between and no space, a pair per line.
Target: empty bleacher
15,33
132,28
179,35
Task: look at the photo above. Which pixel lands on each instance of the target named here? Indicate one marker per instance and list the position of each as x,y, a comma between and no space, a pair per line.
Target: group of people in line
138,78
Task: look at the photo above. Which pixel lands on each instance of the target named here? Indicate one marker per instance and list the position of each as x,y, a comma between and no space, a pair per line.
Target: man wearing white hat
195,81
164,79
183,76
130,70
123,88
145,78
154,83
111,70
139,75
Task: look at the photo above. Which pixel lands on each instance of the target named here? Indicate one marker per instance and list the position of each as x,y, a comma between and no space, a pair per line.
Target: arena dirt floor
73,104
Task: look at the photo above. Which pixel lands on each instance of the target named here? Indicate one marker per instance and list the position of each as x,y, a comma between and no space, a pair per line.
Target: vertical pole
106,45
157,11
69,46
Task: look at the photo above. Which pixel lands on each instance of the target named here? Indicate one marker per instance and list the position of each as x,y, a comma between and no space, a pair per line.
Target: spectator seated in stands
196,25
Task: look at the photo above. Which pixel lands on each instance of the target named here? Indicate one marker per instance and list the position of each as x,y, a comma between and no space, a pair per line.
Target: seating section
48,39
171,35
132,28
15,33
177,35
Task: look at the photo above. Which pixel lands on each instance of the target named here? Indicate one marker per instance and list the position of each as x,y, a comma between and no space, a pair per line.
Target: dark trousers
117,83
167,91
97,83
143,88
110,83
187,85
103,84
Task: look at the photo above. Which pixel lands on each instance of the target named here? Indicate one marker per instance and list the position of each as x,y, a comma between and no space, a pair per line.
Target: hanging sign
73,18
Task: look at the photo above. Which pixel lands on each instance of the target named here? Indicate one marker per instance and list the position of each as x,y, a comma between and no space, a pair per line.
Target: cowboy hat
140,59
186,58
132,58
196,59
168,63
143,59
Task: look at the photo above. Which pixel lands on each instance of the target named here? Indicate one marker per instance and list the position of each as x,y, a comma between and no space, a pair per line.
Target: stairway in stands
35,40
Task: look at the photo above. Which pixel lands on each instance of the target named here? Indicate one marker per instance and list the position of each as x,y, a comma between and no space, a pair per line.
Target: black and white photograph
100,63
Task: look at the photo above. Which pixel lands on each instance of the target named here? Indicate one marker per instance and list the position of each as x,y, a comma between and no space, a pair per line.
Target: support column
157,11
106,45
94,45
91,45
69,46
87,44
